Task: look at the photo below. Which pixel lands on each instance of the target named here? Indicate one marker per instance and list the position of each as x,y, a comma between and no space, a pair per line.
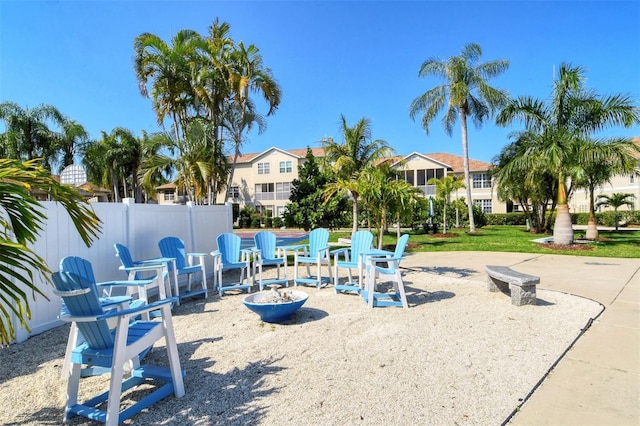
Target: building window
264,210
283,190
423,176
632,178
234,193
286,167
264,191
409,177
169,195
263,168
481,180
485,205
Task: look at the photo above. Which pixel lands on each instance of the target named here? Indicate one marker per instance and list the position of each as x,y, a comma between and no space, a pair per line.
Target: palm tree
72,137
615,200
572,115
189,158
444,187
27,135
236,122
169,69
521,176
21,226
465,94
386,196
350,158
597,162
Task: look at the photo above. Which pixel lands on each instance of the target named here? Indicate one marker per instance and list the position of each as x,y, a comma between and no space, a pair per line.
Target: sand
458,355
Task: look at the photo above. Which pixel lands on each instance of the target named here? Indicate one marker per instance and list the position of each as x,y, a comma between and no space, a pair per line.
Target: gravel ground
458,355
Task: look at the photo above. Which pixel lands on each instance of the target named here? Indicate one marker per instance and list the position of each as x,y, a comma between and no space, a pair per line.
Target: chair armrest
115,313
141,268
216,253
340,251
136,283
156,260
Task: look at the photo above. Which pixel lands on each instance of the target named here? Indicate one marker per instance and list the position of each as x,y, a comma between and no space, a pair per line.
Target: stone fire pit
275,305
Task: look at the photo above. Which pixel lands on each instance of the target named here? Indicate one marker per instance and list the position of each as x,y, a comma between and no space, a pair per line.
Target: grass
622,244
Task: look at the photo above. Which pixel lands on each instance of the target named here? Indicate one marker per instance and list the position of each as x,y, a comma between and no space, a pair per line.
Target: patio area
458,355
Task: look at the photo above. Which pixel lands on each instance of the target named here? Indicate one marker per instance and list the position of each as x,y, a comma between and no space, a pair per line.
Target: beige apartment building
263,180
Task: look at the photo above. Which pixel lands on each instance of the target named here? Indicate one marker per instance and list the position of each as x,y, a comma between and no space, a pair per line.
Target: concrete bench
521,286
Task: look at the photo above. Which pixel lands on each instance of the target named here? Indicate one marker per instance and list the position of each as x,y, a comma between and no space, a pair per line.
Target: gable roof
451,161
298,153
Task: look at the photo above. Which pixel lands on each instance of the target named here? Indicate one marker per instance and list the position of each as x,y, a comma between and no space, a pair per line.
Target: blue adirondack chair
380,263
352,258
113,349
267,253
230,256
173,247
135,269
315,252
83,268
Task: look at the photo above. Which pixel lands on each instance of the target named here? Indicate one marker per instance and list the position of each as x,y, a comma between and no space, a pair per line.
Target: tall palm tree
444,187
236,122
571,115
23,221
597,162
27,134
466,94
168,68
350,158
615,200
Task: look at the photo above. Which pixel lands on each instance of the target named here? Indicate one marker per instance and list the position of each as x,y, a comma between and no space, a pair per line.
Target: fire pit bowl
275,306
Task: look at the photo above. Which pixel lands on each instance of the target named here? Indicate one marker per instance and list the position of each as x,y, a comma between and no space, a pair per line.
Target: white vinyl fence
138,226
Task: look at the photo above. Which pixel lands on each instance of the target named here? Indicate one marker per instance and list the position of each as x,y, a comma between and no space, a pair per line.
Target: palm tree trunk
465,158
562,228
592,227
355,214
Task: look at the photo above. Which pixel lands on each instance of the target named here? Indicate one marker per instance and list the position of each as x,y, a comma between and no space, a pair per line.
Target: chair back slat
318,239
125,255
174,247
96,333
360,243
266,242
229,245
79,266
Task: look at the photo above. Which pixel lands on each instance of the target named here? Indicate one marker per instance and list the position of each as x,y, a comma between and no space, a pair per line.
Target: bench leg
495,285
523,295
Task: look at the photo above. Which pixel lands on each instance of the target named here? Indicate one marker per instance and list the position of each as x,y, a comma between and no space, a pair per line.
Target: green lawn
516,239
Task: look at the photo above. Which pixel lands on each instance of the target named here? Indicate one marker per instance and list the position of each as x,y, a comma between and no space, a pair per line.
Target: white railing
138,226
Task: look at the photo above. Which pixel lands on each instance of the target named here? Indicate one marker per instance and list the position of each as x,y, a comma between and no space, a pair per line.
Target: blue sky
357,58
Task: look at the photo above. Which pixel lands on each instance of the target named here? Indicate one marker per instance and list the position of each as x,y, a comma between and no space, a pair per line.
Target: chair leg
172,353
73,384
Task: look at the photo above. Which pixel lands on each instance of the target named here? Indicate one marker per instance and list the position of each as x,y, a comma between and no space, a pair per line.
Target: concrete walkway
597,382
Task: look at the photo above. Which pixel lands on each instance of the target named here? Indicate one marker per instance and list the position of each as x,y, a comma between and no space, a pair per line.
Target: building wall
626,184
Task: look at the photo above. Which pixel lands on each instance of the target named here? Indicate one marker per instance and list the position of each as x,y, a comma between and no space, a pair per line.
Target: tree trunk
355,214
562,229
465,158
592,227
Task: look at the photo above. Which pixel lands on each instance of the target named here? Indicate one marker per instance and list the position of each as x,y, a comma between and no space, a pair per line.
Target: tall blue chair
136,269
316,252
113,349
380,263
231,256
267,253
82,267
352,258
173,247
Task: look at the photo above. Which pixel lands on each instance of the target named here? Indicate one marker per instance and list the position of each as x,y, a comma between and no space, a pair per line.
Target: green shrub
268,222
515,218
277,222
255,222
